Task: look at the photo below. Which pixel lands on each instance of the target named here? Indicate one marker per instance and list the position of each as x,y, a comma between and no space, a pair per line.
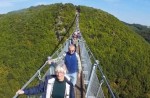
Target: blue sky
130,11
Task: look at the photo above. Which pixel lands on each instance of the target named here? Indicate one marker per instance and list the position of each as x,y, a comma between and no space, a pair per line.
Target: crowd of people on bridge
60,85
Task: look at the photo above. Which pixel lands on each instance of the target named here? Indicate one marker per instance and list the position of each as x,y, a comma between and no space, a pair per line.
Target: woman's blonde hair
61,68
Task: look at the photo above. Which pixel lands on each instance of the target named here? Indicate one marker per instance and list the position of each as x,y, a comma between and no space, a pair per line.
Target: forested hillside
124,55
142,30
28,36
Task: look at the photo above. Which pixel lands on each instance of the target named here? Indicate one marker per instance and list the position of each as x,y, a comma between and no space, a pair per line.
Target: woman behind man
54,86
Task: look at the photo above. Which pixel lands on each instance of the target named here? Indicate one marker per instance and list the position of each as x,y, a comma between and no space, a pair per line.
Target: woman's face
60,75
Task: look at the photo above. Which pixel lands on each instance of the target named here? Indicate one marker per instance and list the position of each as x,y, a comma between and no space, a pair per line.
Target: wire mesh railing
93,85
90,67
59,52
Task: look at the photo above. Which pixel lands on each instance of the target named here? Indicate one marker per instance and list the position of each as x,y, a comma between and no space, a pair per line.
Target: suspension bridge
92,80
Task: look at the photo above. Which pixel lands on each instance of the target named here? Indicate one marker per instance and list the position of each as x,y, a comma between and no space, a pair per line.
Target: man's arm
57,59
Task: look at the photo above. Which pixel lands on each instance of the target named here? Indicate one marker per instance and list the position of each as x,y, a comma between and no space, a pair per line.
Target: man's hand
20,92
49,61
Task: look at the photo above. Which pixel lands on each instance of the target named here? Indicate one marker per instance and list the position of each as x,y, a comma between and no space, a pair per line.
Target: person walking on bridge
73,63
54,86
75,40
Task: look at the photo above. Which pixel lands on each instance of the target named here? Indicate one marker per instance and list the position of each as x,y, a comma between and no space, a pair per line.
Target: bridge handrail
39,70
31,79
100,70
93,69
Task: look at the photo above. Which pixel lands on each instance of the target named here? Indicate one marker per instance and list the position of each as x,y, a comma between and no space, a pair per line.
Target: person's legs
73,78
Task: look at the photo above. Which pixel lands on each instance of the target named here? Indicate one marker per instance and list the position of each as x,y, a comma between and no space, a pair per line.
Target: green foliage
142,30
28,36
123,54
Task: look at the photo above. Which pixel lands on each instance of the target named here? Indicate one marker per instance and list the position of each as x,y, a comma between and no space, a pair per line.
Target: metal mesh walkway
90,84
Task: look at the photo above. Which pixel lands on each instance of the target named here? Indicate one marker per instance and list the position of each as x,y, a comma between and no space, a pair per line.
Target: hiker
54,86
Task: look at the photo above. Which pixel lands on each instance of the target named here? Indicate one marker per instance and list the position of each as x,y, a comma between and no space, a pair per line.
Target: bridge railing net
91,81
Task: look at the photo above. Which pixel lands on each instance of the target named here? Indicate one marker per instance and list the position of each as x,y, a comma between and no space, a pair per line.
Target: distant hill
28,36
144,31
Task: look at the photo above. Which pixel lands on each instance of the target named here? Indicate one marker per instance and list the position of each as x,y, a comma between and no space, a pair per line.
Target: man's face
71,50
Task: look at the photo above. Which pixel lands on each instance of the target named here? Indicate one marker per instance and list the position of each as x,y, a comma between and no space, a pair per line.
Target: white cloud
41,3
8,3
19,0
111,0
5,4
